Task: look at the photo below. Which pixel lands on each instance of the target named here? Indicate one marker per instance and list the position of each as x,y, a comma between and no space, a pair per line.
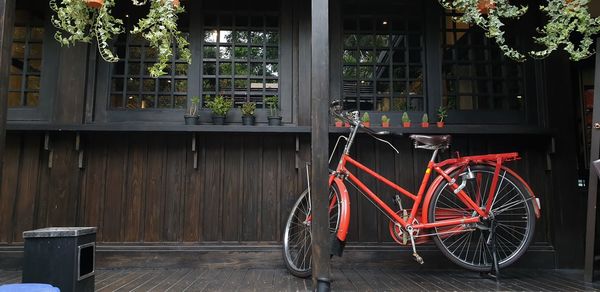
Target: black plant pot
274,121
191,120
218,120
248,120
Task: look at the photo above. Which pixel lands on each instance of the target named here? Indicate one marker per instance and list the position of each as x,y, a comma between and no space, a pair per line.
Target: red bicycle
480,213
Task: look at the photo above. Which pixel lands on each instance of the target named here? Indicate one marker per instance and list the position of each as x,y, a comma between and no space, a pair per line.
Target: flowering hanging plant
159,28
567,17
77,22
488,15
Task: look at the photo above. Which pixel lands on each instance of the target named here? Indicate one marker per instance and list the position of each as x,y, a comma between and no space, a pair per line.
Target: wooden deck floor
350,279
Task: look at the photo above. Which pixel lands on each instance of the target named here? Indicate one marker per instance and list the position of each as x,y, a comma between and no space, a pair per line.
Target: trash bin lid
28,288
59,232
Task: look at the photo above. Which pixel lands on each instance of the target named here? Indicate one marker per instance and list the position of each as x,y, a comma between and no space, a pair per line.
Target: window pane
14,99
32,99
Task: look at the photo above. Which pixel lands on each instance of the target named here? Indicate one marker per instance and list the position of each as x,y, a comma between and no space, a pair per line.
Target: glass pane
37,34
366,41
241,53
181,69
225,52
226,20
133,102
149,85
14,82
151,53
224,85
239,37
180,101
271,21
399,71
256,69
116,101
32,99
272,70
33,83
414,56
225,36
210,52
256,52
271,85
210,36
133,69
17,66
210,68
117,84
382,40
365,72
165,85
164,101
225,69
14,99
350,40
272,53
18,50
257,37
272,38
135,52
241,84
383,87
133,84
382,71
19,33
241,69
256,21
255,84
398,104
147,101
118,68
181,85
349,72
208,84
367,56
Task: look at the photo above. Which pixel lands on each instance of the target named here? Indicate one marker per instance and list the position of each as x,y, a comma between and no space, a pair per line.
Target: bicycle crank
416,256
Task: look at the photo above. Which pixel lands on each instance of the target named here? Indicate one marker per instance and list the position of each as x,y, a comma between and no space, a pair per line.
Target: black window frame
48,80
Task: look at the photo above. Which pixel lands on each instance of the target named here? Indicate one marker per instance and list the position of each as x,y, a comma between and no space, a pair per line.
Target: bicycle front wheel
467,244
297,237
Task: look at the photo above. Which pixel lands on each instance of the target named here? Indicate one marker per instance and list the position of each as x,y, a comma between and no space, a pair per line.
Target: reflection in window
383,65
132,86
26,67
241,57
476,74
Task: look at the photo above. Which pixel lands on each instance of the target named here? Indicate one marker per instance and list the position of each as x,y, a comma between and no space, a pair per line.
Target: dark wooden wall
143,187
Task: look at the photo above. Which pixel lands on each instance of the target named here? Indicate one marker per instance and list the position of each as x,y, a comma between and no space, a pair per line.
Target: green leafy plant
76,22
488,15
273,104
338,120
442,113
405,118
219,105
159,28
365,118
248,108
425,118
565,18
193,109
385,119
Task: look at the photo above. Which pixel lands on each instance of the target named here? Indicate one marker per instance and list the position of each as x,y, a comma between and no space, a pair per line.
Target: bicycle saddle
432,142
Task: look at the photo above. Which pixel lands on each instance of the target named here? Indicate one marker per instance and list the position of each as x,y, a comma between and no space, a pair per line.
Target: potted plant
385,121
159,28
274,116
191,115
442,114
346,124
405,120
425,121
219,106
485,6
248,117
338,123
366,120
82,21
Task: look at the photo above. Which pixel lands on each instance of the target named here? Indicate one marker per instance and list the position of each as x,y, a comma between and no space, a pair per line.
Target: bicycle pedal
418,258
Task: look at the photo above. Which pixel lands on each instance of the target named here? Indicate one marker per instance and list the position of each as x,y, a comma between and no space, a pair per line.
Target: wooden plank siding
142,188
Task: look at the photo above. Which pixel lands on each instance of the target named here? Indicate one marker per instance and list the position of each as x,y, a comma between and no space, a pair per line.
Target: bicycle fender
344,210
536,207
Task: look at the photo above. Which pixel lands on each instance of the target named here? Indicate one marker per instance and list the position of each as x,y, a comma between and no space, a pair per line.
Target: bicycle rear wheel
466,244
297,237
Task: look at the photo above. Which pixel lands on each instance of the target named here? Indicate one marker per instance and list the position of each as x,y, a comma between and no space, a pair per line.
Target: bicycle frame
443,169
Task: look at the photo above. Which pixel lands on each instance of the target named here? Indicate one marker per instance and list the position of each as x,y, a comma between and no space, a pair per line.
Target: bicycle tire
297,229
465,245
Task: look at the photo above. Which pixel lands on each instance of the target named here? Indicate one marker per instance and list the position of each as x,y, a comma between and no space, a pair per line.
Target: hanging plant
79,21
159,28
488,15
567,17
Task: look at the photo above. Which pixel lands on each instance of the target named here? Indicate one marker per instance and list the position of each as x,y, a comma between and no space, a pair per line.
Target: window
383,63
26,67
476,74
240,57
133,88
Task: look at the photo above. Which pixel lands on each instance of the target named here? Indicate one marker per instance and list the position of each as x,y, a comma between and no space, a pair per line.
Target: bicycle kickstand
494,273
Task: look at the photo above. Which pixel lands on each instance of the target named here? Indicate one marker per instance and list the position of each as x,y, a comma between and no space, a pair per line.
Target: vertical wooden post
7,19
590,233
320,140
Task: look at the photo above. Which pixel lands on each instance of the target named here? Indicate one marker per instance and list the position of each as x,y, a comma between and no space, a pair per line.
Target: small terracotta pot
440,124
485,6
406,124
424,125
176,3
347,125
96,4
339,124
367,124
385,124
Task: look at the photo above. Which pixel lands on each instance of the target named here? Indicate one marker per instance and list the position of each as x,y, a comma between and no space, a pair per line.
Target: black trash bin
61,256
